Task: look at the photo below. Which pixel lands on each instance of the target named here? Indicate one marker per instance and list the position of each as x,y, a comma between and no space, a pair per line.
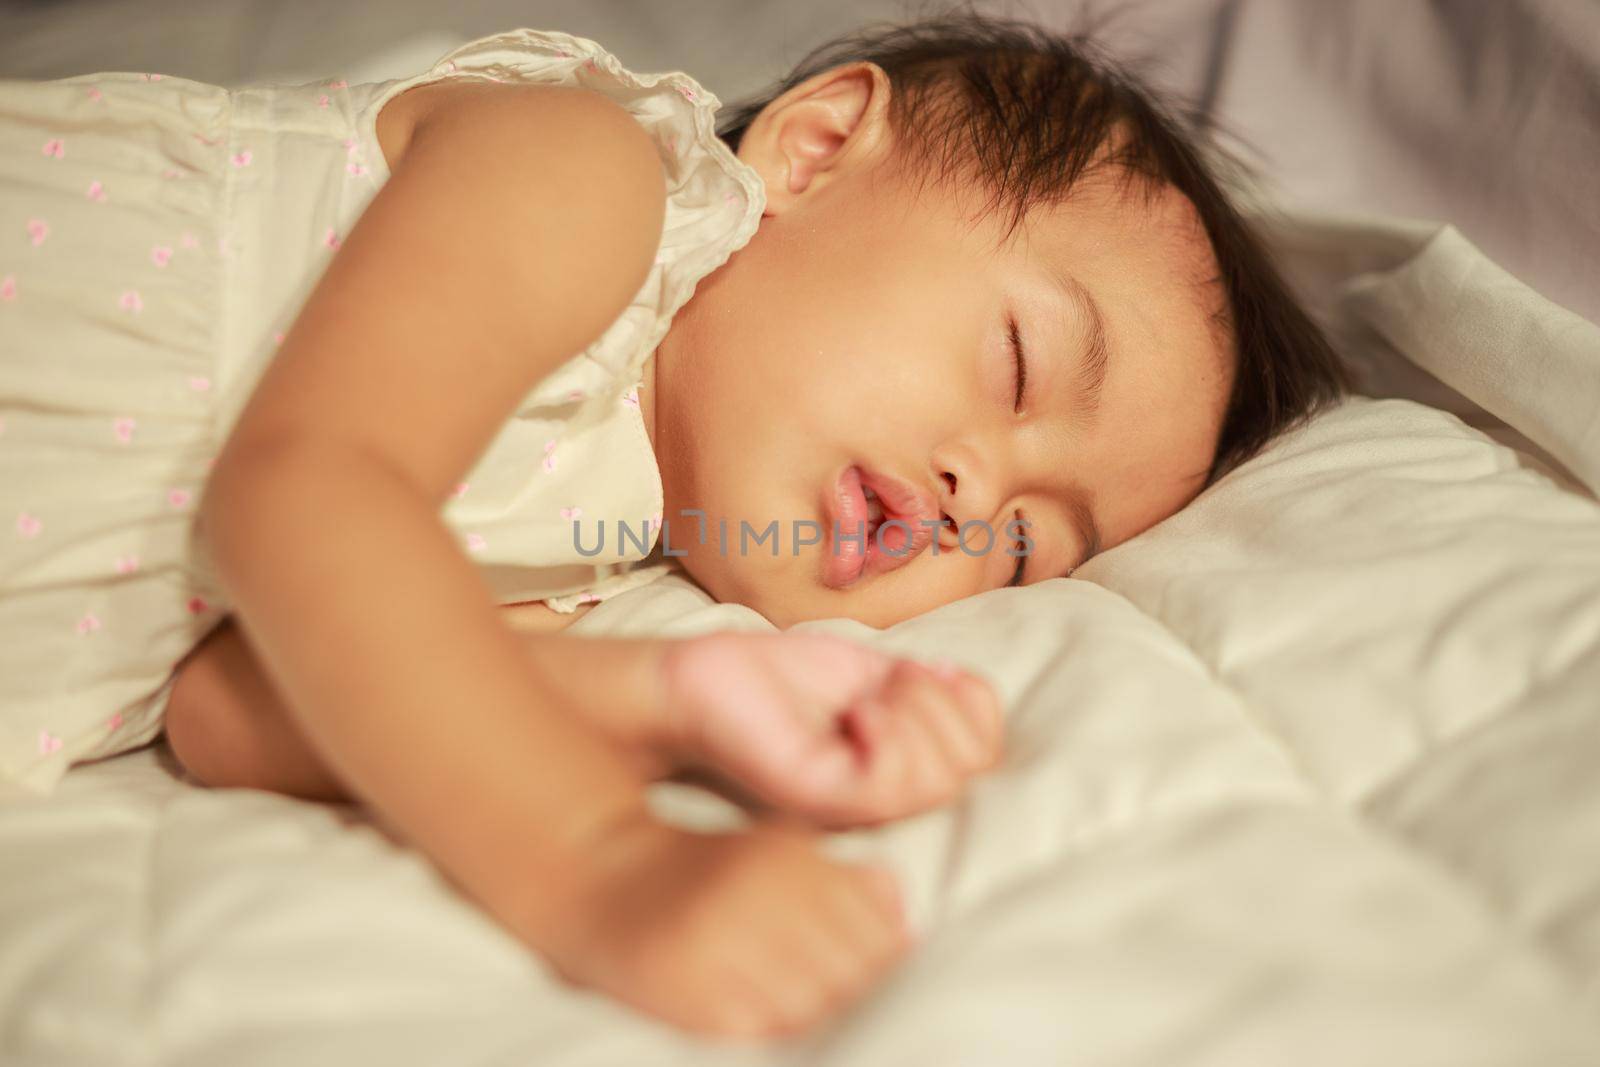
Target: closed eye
1022,363
1022,384
1022,554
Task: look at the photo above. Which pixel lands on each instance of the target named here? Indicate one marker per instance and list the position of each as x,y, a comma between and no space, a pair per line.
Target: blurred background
1481,113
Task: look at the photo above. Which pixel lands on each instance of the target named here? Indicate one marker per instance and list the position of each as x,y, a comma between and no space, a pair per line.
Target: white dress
158,236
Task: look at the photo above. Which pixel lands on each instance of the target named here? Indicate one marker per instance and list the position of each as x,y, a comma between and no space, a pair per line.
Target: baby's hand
828,729
746,934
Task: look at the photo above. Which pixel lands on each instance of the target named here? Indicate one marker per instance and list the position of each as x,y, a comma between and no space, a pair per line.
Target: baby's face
860,329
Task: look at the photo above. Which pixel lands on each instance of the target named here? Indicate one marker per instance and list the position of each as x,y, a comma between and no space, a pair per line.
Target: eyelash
1022,560
1022,364
1022,383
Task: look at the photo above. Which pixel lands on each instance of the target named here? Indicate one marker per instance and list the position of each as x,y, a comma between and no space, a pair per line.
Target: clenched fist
827,729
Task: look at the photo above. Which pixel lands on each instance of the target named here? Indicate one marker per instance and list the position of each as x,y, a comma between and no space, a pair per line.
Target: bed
1304,774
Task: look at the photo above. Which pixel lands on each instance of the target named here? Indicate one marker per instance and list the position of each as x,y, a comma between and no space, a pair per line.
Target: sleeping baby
954,307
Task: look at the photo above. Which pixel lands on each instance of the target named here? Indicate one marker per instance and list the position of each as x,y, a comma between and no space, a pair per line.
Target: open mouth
874,510
848,508
858,502
898,539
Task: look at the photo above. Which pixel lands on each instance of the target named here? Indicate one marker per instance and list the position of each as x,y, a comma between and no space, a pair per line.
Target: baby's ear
830,125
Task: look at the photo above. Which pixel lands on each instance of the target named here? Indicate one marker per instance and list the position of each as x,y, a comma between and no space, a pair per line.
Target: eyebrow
1091,377
1089,383
1083,517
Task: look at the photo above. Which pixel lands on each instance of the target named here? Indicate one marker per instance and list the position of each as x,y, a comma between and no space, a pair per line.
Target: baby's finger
883,768
959,722
872,911
921,702
862,726
817,948
982,705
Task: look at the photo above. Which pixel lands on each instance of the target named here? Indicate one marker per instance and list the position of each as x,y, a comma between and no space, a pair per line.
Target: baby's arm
486,260
227,725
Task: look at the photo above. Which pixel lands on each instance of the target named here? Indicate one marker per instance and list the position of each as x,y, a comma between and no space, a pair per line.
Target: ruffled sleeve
515,517
714,200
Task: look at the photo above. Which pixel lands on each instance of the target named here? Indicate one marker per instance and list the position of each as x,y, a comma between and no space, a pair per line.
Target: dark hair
1027,111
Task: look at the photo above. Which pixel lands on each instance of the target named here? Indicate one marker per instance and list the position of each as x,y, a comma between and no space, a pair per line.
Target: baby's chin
785,589
776,589
729,580
797,596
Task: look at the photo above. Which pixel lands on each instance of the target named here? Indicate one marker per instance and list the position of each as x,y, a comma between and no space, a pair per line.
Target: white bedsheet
1303,775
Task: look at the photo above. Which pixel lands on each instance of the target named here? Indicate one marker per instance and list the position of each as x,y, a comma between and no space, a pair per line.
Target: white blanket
1304,775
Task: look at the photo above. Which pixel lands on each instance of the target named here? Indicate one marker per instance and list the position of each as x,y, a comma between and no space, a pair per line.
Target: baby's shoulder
402,115
402,112
398,116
